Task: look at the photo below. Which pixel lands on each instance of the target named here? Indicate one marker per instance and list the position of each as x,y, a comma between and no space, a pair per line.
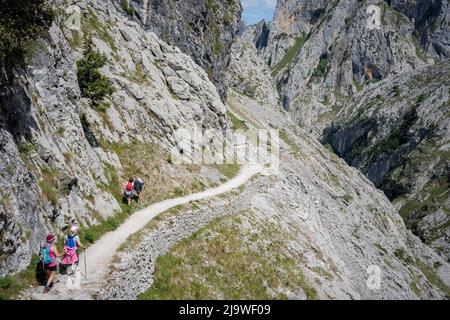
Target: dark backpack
138,184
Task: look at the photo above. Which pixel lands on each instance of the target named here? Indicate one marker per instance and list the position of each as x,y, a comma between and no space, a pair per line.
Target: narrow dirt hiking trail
99,254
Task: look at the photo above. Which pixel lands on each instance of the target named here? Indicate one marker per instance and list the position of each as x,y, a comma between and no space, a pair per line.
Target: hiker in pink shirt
52,254
71,244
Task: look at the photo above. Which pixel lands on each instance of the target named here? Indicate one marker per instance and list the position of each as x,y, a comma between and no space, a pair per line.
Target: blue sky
256,10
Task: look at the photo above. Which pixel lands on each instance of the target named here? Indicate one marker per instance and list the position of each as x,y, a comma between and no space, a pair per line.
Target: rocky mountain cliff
327,56
63,159
312,230
397,133
202,29
322,52
316,229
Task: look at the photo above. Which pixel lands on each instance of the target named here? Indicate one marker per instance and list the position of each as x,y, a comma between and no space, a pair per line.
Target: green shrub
421,99
12,285
93,85
236,122
21,21
6,282
347,23
26,147
178,191
60,131
89,236
291,53
396,90
129,10
112,223
321,69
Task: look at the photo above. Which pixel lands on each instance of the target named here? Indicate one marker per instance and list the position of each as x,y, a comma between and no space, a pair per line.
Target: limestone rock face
334,223
57,156
397,133
431,20
202,29
327,56
291,19
248,74
62,159
257,34
323,52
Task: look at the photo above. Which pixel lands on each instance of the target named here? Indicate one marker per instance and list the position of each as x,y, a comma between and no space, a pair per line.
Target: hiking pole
85,268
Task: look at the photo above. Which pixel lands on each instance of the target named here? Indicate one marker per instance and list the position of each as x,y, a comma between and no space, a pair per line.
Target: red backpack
129,186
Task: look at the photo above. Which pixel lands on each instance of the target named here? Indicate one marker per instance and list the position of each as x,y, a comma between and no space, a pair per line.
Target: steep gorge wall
397,133
322,53
202,29
62,158
372,94
317,223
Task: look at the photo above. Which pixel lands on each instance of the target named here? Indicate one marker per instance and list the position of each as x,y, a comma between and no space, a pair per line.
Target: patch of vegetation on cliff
225,261
91,24
93,84
433,277
396,138
146,160
236,122
216,13
12,285
228,170
49,185
290,54
125,7
434,194
322,68
430,273
327,117
21,22
295,149
359,86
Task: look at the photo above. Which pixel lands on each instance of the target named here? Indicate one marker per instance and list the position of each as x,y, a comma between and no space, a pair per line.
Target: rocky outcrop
324,52
202,29
334,224
247,73
292,19
61,159
397,133
432,22
257,34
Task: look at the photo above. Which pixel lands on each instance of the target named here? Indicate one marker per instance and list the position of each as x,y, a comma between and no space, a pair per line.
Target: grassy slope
227,261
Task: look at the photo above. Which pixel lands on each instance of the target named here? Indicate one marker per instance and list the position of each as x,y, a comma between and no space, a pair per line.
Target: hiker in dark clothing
138,185
128,191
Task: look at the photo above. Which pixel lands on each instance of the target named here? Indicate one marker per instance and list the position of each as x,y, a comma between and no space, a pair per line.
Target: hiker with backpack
128,191
138,185
49,255
71,244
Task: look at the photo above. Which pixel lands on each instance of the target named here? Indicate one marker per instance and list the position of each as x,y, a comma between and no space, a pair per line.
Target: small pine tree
21,21
93,84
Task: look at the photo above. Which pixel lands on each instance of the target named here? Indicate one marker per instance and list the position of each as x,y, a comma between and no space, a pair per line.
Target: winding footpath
100,254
